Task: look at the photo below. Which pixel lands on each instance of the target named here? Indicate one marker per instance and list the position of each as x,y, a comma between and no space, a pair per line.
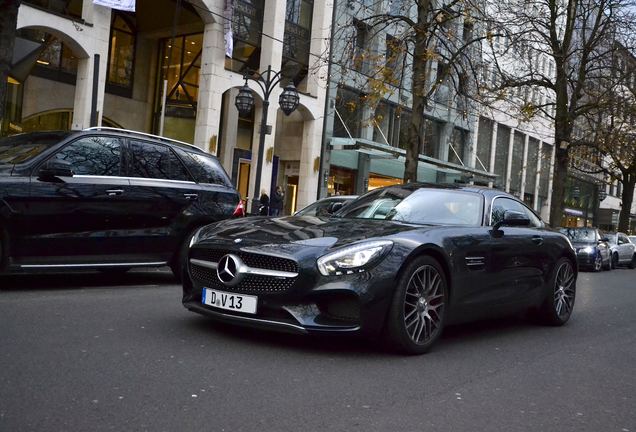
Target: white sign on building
125,5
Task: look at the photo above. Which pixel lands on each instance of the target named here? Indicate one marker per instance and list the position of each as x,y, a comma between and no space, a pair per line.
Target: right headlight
354,258
588,249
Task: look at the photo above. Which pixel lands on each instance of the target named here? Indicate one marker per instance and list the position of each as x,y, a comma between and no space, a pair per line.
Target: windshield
22,148
580,234
419,206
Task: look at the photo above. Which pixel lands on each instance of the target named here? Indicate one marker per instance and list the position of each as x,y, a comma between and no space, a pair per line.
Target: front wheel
632,263
598,263
178,263
418,309
558,305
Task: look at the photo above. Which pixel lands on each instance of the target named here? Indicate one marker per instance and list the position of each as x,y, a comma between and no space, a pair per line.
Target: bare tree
607,133
426,38
548,51
8,23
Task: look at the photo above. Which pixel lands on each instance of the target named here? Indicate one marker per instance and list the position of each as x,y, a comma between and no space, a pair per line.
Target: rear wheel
558,305
418,309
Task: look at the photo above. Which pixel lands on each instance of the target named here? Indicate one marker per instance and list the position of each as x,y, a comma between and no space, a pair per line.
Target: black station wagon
105,199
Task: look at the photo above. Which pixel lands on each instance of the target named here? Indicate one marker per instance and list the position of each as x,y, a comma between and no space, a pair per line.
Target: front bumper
355,303
586,259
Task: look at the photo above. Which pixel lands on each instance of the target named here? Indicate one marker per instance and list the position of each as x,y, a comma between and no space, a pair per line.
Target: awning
383,151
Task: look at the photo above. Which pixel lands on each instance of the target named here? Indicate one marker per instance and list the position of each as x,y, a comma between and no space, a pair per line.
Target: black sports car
400,262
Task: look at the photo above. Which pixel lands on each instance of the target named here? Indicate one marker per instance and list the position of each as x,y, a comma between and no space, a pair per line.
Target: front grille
250,259
251,284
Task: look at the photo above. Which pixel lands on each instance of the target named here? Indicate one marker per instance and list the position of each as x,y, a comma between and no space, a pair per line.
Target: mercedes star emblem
228,270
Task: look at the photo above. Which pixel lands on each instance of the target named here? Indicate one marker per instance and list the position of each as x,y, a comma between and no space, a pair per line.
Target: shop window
360,44
458,147
56,60
484,142
501,155
69,8
516,169
247,28
121,56
393,56
297,39
531,167
348,117
546,159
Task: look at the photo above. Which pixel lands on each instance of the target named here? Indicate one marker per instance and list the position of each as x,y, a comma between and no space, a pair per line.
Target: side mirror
55,168
512,218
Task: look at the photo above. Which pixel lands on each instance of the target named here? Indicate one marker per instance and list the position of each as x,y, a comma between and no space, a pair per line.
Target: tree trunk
420,78
629,181
8,23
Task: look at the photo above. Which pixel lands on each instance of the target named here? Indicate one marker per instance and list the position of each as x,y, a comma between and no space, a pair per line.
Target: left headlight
195,237
353,258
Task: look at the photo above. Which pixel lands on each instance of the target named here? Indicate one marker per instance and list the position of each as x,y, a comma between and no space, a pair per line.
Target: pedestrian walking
276,203
263,210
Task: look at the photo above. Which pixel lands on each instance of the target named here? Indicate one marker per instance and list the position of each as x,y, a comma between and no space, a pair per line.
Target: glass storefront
180,68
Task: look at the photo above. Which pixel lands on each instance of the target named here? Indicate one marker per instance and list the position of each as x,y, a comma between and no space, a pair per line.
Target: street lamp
244,103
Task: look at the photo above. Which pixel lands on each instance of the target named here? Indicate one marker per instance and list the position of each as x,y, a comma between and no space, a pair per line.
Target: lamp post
244,103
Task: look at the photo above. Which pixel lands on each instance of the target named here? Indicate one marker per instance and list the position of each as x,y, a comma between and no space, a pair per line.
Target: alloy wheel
424,304
564,290
598,263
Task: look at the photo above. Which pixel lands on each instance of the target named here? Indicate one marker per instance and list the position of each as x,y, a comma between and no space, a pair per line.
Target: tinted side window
205,169
502,204
93,156
155,161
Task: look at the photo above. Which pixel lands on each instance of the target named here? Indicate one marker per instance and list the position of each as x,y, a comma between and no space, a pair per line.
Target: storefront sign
125,5
573,212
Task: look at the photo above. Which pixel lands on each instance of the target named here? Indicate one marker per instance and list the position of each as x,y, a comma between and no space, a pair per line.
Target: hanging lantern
289,99
244,101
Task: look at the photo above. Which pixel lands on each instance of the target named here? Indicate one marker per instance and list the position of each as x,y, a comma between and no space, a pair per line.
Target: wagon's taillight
239,211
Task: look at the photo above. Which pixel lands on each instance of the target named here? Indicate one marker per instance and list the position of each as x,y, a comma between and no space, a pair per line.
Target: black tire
632,263
614,261
559,302
418,310
178,264
598,265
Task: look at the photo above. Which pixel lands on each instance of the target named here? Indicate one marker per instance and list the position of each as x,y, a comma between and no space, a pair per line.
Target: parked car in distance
399,262
326,206
592,247
623,251
105,199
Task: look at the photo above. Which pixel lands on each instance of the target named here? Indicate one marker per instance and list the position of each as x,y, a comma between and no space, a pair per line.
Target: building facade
166,69
364,142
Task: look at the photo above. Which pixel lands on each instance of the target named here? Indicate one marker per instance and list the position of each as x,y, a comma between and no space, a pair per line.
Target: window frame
122,156
117,89
528,209
129,161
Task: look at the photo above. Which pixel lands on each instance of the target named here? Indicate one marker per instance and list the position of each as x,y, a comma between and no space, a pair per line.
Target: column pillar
271,54
493,150
511,143
212,84
545,210
362,179
309,162
524,167
230,131
537,186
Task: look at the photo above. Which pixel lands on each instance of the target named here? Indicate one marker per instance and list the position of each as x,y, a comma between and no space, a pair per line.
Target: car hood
298,232
578,245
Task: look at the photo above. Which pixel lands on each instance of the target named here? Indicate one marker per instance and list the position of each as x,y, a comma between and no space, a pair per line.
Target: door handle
537,240
114,192
191,196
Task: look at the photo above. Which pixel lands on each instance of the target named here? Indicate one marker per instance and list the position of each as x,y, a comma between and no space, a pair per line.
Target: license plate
229,301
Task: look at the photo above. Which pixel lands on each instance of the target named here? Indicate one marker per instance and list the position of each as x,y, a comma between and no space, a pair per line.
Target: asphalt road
90,353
